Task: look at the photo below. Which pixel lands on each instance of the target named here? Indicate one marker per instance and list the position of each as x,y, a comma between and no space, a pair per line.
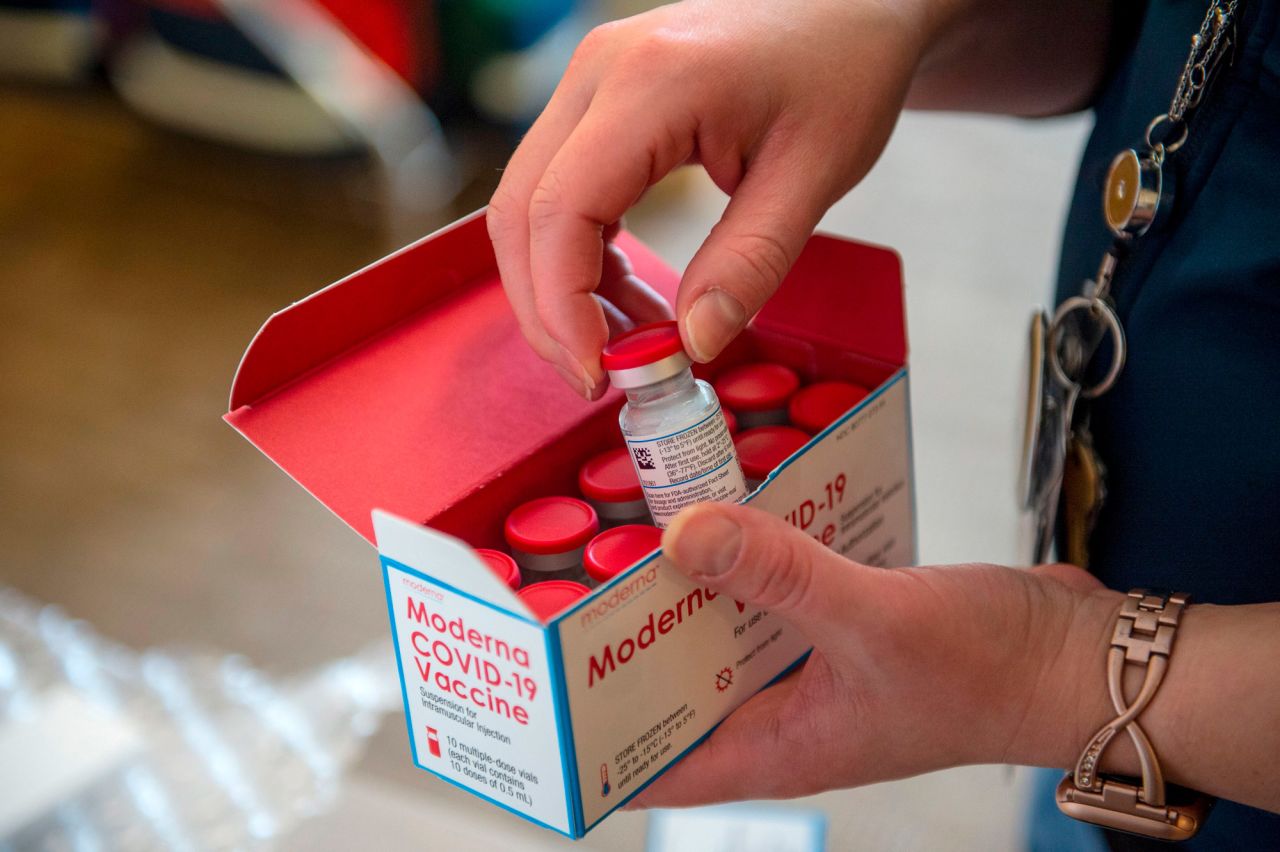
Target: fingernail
571,380
702,541
573,372
715,319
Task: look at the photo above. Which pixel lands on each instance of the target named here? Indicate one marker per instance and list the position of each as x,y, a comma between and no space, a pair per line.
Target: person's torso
1190,434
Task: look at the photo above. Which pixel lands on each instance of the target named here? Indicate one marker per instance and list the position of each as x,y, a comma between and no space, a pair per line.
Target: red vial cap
502,565
610,478
551,525
815,407
641,346
730,420
763,448
756,387
550,597
615,550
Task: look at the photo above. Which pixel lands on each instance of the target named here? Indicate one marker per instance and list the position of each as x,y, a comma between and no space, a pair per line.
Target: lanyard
1059,463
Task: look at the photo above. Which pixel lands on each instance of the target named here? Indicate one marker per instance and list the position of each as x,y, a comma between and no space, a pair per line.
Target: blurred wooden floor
135,265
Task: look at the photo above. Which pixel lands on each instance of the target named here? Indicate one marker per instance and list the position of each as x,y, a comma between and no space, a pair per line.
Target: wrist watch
1143,638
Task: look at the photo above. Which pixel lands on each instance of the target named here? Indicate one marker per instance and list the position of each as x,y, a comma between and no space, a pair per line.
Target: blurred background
173,171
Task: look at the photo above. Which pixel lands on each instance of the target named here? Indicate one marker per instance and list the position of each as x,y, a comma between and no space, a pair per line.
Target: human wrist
1006,660
1075,701
1062,697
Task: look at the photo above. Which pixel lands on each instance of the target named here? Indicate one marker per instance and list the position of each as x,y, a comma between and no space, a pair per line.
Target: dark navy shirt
1190,434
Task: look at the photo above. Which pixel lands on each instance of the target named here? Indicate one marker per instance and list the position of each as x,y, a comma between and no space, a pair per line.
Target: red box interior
407,386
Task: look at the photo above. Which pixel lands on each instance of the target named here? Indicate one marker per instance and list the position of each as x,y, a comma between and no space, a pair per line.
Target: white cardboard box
403,398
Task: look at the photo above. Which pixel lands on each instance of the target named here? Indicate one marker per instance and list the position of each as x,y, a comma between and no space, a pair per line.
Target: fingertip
673,532
574,373
595,393
617,321
711,323
703,540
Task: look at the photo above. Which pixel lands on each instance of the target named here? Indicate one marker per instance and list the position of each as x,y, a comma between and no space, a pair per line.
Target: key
1050,407
1061,352
1059,407
1055,440
1084,491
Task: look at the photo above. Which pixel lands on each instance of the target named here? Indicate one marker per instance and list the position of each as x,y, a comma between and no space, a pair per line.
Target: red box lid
407,386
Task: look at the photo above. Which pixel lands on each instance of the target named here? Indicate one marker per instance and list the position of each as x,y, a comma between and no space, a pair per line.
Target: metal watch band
1143,637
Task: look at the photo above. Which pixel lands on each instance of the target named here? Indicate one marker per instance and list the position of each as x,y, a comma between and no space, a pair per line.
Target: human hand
785,104
912,669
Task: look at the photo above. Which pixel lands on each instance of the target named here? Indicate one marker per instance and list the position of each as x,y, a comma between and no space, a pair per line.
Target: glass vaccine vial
608,482
502,565
676,434
616,550
817,406
547,600
547,536
757,393
763,448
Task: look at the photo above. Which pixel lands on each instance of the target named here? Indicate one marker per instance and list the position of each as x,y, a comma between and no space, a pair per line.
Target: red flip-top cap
615,550
730,420
756,387
610,478
763,448
502,565
551,525
550,597
644,355
642,345
815,407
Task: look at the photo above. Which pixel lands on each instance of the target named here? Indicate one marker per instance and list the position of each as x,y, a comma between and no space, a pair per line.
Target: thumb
743,261
760,559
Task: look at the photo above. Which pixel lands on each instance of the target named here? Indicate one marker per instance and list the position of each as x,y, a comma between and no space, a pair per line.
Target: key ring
1166,147
1112,322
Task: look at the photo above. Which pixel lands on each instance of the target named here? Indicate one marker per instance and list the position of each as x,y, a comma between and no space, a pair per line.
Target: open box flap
407,386
868,315
451,561
314,330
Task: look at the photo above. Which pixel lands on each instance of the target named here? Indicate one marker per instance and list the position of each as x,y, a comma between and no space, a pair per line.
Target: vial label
694,465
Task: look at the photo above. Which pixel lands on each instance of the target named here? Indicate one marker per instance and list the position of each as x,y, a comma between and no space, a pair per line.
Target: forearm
1010,56
1215,722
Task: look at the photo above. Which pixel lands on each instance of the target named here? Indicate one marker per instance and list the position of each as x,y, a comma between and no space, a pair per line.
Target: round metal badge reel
1135,195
